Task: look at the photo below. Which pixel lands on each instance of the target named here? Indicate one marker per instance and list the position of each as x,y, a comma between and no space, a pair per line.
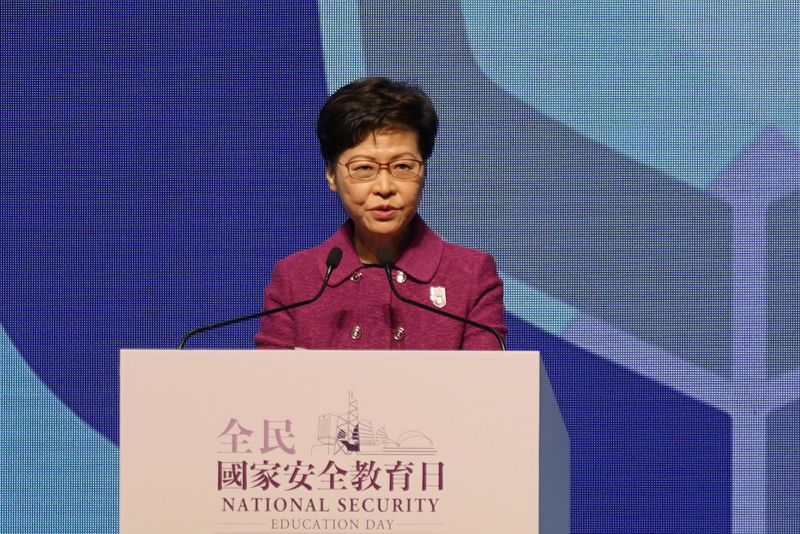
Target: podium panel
337,441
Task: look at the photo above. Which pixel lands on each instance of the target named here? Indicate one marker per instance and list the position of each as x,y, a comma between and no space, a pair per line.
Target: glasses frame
380,167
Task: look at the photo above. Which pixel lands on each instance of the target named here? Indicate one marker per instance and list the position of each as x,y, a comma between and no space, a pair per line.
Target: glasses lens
363,170
405,169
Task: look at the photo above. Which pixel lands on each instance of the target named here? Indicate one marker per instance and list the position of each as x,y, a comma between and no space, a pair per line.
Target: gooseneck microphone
387,266
334,257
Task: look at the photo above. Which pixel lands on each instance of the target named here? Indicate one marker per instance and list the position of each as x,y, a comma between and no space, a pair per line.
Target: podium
296,441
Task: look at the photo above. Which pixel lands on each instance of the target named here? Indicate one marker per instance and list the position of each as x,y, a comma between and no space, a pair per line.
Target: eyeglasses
401,169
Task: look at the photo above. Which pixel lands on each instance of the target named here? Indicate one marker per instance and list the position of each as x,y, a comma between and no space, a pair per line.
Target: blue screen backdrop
633,167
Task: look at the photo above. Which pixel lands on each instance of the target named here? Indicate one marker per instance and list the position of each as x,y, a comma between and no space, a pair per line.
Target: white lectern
340,441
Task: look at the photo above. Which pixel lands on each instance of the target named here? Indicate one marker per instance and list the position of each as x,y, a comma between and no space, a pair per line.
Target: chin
384,230
394,224
392,227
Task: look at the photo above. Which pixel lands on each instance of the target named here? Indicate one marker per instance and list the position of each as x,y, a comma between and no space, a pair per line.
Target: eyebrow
403,155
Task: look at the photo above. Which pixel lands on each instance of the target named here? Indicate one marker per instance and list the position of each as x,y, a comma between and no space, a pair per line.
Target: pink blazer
359,311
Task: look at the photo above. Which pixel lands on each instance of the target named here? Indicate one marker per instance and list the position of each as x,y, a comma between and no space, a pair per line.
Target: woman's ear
330,175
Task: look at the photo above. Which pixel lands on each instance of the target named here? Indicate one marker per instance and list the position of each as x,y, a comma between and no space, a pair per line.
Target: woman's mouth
384,213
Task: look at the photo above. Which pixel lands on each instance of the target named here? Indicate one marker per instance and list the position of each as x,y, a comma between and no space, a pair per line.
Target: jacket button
399,333
355,333
356,276
400,277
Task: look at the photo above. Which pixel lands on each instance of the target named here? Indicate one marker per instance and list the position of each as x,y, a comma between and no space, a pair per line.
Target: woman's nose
384,183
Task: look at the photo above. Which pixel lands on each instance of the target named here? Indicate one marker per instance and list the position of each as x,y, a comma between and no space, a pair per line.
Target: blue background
633,168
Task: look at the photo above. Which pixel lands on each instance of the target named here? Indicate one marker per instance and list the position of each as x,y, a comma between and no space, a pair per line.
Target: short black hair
373,104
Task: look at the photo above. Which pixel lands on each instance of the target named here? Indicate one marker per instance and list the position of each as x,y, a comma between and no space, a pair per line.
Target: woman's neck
379,249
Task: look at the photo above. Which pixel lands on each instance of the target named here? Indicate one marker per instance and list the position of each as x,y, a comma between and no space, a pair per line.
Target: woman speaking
376,136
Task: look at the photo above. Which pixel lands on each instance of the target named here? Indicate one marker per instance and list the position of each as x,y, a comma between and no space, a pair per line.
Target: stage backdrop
633,166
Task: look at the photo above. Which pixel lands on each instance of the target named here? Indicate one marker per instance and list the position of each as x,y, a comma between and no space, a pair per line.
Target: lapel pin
438,296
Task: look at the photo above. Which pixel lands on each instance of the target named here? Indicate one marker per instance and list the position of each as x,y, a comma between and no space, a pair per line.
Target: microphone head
334,257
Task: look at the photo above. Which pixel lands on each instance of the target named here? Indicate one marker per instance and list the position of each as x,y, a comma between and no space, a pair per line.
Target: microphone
385,259
334,257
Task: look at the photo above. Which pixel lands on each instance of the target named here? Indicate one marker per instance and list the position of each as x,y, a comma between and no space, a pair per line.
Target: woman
376,135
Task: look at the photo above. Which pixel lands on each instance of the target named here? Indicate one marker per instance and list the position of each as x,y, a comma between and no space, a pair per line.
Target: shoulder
308,258
468,270
431,242
465,259
453,252
312,259
294,274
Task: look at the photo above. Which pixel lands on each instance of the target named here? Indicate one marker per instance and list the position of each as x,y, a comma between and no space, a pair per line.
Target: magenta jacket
359,311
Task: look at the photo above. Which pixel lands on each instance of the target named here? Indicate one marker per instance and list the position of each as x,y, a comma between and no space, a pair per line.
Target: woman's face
382,208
